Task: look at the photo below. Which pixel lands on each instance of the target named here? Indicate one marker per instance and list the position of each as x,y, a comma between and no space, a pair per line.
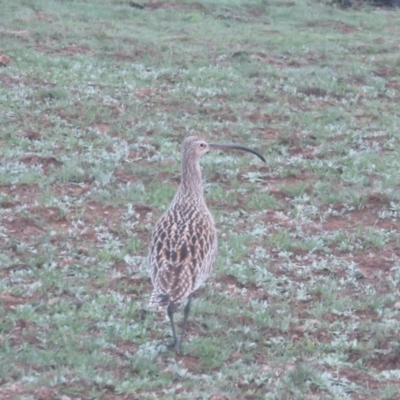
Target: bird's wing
182,241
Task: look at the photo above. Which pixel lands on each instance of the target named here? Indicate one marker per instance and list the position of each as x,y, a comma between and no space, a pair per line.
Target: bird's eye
202,145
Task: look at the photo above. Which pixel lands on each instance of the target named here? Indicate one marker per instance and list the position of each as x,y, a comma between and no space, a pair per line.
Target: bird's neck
191,186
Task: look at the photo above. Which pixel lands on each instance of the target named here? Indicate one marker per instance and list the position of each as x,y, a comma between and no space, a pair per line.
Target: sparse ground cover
304,302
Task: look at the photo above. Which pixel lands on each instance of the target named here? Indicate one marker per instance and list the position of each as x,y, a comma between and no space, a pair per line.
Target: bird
184,245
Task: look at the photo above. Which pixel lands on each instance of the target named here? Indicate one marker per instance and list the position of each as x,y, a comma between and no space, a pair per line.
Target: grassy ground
304,302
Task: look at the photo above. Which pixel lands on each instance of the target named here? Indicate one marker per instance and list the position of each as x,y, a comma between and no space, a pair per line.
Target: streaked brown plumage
183,246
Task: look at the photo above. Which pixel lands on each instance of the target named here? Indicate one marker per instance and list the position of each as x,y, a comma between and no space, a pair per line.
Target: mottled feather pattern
182,252
183,246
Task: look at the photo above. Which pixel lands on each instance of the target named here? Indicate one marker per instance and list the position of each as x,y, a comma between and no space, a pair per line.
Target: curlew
183,246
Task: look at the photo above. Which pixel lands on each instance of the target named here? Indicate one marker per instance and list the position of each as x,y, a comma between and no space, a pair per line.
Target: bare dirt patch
270,133
191,363
261,57
363,218
108,213
137,54
31,135
9,301
45,162
360,377
134,287
389,360
18,390
52,215
73,190
337,25
24,228
386,72
258,117
375,263
21,193
313,91
72,50
155,5
393,84
44,17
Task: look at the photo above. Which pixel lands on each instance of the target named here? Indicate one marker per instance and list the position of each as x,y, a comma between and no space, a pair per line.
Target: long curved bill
223,146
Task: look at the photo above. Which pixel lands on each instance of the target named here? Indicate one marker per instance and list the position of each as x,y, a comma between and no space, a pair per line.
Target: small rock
178,389
53,301
4,60
397,305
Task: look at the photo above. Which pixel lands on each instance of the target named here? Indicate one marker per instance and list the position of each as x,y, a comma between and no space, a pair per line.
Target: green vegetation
304,302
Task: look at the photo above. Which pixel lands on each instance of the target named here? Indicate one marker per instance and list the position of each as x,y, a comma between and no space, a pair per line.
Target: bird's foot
176,345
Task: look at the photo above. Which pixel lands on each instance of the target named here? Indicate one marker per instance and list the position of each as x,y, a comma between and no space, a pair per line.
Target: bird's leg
186,310
170,311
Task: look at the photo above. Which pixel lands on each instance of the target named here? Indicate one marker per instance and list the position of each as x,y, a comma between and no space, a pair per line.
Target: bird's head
194,147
